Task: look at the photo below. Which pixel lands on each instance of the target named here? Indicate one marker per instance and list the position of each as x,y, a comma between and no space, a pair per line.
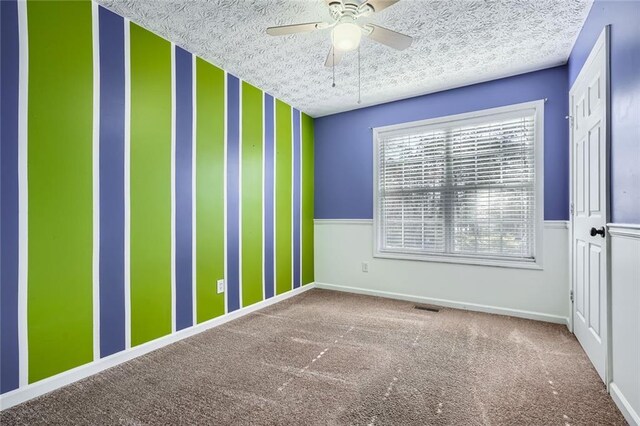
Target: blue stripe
233,191
184,147
296,198
268,196
9,357
112,315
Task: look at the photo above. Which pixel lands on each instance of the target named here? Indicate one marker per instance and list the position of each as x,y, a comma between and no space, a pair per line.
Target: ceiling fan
347,32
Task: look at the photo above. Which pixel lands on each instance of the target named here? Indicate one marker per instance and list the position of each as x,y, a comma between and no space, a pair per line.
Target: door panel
581,155
594,94
590,200
594,170
580,294
594,289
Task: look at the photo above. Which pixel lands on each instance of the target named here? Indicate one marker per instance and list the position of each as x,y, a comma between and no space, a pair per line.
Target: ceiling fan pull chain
333,66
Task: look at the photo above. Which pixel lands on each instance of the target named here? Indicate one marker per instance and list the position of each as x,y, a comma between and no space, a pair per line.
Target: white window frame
470,117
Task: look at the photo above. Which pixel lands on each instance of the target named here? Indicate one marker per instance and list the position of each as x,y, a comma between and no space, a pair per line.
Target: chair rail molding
553,224
629,230
343,221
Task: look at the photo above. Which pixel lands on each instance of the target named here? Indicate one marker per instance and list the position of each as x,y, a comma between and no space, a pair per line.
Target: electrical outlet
365,266
220,286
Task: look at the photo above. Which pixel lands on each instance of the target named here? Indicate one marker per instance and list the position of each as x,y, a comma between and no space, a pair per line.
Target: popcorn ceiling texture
456,43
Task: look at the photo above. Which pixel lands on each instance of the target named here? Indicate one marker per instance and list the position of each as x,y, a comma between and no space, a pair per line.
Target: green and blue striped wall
134,176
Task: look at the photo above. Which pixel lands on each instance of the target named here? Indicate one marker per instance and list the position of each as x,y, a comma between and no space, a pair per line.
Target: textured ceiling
456,43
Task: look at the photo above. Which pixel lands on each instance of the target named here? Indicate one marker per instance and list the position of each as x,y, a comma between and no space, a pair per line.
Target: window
464,188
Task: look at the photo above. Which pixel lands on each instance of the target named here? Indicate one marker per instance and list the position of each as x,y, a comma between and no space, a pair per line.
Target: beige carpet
333,358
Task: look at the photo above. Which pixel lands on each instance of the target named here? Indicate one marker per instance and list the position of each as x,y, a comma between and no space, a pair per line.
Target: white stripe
300,199
240,193
193,189
293,193
96,180
127,183
23,195
226,302
173,188
264,205
275,189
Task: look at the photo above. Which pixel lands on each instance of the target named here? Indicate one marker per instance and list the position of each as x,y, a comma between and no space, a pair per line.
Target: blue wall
344,148
624,17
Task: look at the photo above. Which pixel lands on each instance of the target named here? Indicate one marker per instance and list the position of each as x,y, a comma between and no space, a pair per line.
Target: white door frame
602,42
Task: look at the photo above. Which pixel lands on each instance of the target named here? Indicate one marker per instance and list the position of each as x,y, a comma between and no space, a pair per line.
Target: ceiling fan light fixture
346,36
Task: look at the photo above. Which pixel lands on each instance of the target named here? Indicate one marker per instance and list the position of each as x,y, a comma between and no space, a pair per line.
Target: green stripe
251,194
209,195
60,221
150,186
283,197
307,199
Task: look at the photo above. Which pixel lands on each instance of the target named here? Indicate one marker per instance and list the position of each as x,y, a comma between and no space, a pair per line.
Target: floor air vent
427,308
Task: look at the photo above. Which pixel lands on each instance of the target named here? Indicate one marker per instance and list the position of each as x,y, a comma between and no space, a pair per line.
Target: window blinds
461,188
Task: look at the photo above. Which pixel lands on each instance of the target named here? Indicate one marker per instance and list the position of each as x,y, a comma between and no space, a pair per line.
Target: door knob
595,232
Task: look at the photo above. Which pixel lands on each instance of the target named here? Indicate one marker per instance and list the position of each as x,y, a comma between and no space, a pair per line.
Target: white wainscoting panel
342,245
625,319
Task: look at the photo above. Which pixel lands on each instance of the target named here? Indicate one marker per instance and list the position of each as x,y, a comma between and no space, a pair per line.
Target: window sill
463,260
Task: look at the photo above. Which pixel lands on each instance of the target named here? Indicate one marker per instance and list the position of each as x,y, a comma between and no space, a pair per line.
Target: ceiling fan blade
388,37
333,58
295,28
378,5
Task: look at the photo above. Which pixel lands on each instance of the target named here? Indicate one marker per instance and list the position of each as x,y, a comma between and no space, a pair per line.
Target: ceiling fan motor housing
348,29
349,9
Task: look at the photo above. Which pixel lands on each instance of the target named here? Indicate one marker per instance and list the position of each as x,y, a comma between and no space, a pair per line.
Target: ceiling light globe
346,36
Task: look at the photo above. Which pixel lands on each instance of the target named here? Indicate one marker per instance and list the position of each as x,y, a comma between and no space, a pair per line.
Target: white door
589,156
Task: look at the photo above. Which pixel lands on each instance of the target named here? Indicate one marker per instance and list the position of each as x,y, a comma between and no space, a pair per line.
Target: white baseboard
49,384
449,303
623,405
